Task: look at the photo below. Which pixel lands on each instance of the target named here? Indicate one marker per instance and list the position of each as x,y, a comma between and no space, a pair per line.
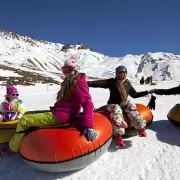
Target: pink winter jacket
65,110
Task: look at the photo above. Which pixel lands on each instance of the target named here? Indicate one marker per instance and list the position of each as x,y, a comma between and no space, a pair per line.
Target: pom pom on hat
72,62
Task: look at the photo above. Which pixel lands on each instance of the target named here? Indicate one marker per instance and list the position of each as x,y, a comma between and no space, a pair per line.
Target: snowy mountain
41,55
162,66
24,54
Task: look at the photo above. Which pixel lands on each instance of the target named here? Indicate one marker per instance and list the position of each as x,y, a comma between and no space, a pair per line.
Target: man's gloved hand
90,134
152,104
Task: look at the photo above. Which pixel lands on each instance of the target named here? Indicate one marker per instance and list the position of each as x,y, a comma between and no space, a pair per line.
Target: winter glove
90,134
152,104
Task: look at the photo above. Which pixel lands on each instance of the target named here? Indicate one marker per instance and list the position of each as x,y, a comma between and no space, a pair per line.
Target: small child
11,108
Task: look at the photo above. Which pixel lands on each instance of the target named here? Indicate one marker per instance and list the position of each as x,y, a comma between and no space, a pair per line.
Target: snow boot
6,152
142,133
119,141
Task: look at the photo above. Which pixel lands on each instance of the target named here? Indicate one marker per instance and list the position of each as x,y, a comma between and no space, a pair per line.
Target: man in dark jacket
142,80
120,87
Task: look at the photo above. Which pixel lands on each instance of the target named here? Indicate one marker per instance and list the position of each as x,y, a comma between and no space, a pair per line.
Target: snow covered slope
41,55
46,58
155,157
162,66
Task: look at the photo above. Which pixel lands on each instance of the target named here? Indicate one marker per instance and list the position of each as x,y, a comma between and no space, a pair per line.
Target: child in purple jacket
12,107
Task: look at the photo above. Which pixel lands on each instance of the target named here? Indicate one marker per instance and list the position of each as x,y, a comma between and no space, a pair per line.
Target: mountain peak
75,46
13,35
46,58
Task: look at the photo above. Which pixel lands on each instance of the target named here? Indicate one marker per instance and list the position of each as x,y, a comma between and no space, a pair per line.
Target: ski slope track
155,157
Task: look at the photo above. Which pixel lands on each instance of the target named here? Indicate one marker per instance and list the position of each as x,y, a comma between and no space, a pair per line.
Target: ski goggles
67,69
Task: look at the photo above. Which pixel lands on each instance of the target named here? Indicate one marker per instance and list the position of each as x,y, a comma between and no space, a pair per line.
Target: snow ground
6,73
155,157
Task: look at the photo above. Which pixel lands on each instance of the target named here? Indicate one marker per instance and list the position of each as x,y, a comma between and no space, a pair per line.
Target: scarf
122,89
67,86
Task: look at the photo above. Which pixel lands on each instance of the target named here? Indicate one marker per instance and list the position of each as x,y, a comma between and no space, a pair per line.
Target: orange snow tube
143,110
61,148
146,113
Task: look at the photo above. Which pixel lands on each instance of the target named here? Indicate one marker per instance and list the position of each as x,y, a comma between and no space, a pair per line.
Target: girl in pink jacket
73,94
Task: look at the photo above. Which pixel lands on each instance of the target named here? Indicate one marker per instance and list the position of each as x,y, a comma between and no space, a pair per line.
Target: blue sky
112,27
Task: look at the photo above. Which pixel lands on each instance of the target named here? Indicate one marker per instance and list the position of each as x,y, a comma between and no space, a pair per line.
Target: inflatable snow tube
7,130
62,149
174,115
143,110
146,113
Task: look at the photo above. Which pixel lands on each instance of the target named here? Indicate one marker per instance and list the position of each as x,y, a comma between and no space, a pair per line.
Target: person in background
11,108
150,79
120,88
142,80
147,80
73,94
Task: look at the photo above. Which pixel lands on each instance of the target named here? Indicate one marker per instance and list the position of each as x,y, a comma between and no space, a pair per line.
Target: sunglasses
67,69
15,94
122,72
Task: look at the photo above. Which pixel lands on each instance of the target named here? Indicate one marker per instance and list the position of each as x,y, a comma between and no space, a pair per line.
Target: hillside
28,60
